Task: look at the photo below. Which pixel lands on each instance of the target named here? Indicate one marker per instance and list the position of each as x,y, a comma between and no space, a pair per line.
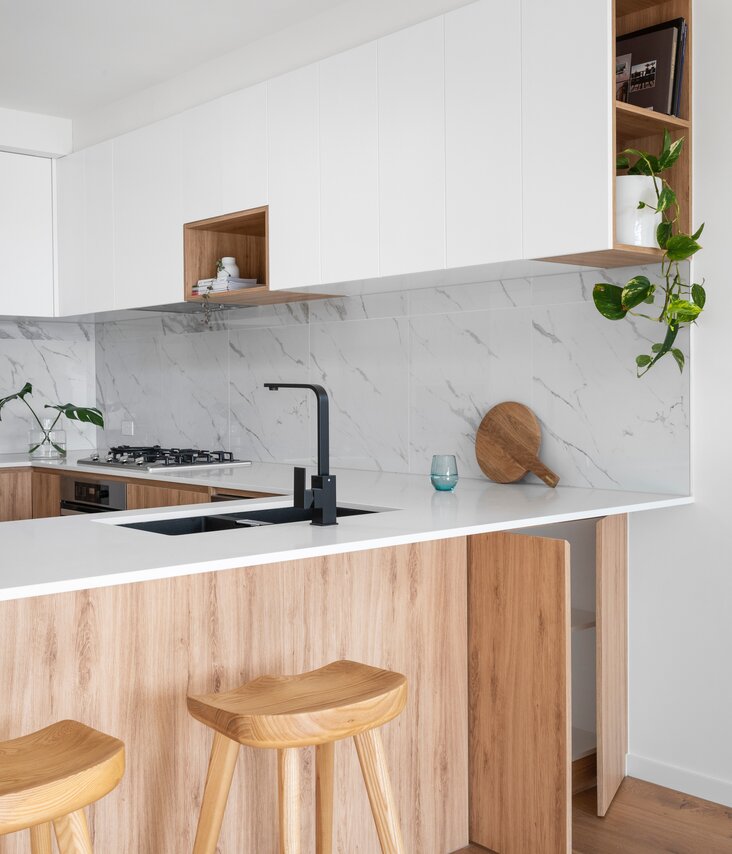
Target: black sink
233,521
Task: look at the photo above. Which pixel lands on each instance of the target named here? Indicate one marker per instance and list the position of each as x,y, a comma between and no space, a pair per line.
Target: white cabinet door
483,133
567,105
26,236
148,216
349,179
412,149
200,140
85,230
244,149
294,179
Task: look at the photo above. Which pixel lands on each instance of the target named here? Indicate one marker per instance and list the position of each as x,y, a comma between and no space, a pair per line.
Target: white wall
681,560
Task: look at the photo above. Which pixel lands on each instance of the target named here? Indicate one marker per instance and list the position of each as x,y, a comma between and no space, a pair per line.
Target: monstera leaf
19,395
79,413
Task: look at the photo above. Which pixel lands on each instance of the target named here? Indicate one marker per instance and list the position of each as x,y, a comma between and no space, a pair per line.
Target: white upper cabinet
148,216
483,133
200,160
567,106
349,177
243,138
412,149
85,230
294,179
26,236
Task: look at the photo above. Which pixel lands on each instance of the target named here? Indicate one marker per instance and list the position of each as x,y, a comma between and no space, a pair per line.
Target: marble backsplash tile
58,360
409,374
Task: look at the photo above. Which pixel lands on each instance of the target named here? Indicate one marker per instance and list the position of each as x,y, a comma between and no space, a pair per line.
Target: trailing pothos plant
682,302
90,415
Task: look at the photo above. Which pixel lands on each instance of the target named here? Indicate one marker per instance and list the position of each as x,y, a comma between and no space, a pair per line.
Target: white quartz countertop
44,556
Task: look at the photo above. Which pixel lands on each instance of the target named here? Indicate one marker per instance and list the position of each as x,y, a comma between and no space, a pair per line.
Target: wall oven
86,496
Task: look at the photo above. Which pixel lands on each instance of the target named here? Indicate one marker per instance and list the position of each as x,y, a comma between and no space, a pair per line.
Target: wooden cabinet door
294,179
142,496
568,173
349,172
46,494
520,694
412,149
26,235
611,591
15,494
483,133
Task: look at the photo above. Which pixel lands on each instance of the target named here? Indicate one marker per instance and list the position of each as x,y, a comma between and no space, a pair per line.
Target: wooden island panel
123,658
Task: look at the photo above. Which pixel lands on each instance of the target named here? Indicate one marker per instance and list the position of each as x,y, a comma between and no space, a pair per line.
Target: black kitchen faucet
321,497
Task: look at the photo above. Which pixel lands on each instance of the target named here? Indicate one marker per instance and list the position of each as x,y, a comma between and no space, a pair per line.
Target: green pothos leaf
636,291
642,361
699,295
679,356
609,301
663,233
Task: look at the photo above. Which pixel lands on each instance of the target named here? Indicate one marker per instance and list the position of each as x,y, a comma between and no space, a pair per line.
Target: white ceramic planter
633,226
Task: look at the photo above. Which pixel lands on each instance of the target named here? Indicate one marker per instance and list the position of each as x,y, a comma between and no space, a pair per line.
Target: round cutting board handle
543,472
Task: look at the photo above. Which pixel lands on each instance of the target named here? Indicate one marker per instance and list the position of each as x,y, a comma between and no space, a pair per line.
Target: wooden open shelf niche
643,129
244,236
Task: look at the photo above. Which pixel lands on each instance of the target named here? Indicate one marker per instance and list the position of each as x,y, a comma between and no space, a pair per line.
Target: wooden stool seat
337,701
52,774
341,700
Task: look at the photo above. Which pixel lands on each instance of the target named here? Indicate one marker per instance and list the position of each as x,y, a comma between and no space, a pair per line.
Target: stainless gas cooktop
155,458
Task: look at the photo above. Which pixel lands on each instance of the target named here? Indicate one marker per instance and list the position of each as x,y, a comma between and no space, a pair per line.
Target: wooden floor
647,819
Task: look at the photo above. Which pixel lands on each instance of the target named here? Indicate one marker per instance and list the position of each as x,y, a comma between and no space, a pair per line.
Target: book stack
218,286
649,67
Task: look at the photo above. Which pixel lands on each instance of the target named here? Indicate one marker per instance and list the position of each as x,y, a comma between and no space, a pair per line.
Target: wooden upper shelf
627,7
633,122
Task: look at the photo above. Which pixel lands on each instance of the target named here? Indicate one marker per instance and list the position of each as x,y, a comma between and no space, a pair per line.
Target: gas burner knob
139,461
94,457
110,457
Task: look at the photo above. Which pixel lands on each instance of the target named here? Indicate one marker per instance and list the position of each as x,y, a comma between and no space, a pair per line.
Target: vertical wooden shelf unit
643,129
243,235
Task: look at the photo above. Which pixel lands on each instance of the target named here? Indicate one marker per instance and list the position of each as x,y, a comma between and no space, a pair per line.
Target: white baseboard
689,782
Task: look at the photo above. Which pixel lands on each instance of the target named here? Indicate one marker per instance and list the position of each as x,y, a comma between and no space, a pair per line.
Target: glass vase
47,444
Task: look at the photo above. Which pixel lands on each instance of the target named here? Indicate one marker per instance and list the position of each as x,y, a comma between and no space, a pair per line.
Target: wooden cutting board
507,445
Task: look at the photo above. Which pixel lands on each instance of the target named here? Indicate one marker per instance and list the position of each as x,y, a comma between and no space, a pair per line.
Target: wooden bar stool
50,776
341,700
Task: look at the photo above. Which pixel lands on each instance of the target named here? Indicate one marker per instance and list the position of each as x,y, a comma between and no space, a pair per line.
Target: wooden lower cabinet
15,494
520,677
46,494
142,496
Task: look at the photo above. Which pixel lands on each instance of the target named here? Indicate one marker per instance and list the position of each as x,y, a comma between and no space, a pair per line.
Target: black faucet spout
321,497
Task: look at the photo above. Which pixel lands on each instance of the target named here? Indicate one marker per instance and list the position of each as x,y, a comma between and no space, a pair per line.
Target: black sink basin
232,521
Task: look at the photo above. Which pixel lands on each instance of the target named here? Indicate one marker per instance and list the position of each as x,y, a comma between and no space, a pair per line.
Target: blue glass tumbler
444,474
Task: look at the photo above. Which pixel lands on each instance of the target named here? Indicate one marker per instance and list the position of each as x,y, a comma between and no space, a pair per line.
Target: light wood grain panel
140,496
612,656
124,658
519,654
15,494
46,489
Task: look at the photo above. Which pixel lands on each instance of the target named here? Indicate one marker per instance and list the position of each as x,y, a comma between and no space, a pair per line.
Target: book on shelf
217,286
649,66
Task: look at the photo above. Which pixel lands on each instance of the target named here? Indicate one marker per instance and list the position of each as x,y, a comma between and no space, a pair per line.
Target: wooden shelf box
243,235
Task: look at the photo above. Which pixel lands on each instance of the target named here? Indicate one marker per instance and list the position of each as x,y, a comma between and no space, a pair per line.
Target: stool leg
41,839
324,798
221,765
376,777
72,834
289,783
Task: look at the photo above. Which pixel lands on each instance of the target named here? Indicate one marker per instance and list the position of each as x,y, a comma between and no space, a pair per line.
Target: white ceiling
69,57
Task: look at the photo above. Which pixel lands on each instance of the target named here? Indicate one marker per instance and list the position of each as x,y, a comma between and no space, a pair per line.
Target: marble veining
410,374
58,360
